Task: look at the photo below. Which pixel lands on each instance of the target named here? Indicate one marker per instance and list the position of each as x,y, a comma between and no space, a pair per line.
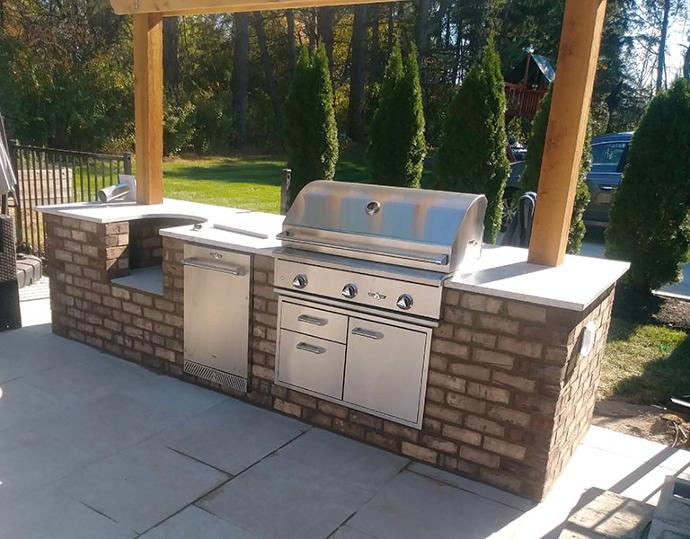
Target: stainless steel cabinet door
310,363
385,368
216,311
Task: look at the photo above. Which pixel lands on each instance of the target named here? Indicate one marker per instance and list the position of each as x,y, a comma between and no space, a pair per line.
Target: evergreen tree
529,181
472,154
311,134
397,145
649,223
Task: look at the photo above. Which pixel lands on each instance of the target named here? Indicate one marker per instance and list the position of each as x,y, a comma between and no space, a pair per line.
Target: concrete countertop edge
267,247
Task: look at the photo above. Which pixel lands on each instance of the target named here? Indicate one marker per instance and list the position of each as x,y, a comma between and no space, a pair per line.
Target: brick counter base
508,398
87,307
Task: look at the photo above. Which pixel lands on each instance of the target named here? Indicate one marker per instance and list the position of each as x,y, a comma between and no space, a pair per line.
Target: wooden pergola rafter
583,23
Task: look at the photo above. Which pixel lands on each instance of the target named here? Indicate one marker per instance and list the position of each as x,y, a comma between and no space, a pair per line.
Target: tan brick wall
86,307
145,241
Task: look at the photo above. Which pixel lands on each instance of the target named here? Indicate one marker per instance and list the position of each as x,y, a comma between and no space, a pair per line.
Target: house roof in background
541,71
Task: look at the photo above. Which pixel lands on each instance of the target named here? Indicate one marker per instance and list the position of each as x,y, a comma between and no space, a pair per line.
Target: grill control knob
350,291
405,302
300,281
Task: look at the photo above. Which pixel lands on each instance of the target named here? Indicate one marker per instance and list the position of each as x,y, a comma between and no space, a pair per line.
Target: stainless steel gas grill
360,278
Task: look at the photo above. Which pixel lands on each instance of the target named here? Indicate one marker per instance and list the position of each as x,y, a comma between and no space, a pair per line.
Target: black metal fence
50,176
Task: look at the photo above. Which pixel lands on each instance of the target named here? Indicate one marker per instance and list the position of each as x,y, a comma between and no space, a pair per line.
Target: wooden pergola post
578,56
148,106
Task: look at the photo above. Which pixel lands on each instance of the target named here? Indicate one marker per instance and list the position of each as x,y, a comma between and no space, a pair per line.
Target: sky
677,43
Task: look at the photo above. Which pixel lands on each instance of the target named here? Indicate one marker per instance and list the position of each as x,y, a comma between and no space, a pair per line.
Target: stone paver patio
95,447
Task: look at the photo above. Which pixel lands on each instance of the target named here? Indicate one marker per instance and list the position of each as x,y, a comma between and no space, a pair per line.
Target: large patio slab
113,450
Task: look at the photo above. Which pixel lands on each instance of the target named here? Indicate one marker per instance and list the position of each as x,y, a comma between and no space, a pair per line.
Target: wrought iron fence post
285,201
12,148
127,158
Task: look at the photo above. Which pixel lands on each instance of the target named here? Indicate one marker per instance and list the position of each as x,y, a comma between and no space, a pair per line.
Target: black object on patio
10,316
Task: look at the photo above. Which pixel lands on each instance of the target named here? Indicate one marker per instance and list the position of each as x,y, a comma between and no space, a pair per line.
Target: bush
529,181
649,223
397,146
472,153
311,134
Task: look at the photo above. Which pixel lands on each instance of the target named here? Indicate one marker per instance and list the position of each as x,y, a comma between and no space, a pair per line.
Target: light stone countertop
252,232
504,272
501,272
131,211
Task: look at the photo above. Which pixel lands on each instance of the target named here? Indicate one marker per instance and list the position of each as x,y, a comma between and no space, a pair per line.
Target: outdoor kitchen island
510,365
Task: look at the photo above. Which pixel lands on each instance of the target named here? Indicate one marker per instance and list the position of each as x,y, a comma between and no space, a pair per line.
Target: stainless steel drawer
216,315
314,322
385,369
309,363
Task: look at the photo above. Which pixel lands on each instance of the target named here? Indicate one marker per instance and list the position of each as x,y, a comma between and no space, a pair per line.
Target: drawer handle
361,332
312,320
311,348
213,266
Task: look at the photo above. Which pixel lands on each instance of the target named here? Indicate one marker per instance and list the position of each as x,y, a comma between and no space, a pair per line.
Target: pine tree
472,154
649,223
397,145
311,134
529,181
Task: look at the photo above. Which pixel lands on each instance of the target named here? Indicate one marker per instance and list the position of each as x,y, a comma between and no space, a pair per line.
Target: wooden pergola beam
578,56
171,8
148,106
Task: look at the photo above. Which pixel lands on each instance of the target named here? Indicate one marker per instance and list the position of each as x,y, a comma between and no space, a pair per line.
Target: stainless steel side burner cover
431,230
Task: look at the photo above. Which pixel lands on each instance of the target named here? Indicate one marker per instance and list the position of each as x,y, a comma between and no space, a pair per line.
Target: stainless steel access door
385,370
216,315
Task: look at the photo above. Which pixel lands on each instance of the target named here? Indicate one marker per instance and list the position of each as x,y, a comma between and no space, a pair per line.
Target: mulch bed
663,310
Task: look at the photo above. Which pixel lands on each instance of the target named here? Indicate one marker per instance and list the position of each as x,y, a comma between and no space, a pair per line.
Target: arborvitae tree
397,146
311,134
649,223
529,181
472,154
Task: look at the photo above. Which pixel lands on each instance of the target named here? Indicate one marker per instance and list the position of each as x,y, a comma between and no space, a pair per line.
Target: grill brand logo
377,296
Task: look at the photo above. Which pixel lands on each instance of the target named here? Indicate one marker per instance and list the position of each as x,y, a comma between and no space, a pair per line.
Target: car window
608,153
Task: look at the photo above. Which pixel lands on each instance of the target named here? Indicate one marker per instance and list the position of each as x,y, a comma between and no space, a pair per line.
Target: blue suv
609,157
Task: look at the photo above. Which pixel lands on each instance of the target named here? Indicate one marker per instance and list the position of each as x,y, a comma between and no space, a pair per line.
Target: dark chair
10,316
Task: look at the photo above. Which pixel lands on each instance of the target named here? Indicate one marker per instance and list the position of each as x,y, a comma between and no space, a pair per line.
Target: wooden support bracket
169,8
148,106
578,56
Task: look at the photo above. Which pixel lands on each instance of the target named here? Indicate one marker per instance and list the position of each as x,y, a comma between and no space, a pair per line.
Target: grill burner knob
405,302
300,281
350,291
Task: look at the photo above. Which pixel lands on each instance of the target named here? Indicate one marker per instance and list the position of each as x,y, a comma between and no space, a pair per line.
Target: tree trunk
422,29
375,60
661,62
391,30
240,79
292,46
267,64
686,65
171,59
325,26
355,114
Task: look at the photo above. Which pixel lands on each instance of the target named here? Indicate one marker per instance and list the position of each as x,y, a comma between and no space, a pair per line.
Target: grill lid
431,230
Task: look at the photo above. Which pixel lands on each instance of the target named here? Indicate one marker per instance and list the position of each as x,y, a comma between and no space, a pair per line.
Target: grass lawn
249,182
645,363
